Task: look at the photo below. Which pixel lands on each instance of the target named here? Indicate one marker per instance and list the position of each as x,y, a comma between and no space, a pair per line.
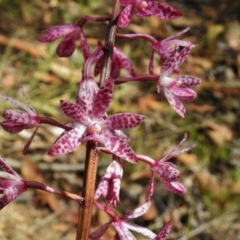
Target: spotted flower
11,184
145,8
168,172
91,123
179,87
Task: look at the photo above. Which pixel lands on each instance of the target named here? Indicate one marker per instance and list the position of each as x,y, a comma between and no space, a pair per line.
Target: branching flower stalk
90,124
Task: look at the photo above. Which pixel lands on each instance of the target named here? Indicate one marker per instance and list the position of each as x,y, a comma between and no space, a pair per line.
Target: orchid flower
177,88
109,186
91,124
17,120
145,8
168,172
122,226
169,48
11,184
71,33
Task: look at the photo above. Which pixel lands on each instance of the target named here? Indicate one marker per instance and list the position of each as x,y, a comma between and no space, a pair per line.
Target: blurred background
210,172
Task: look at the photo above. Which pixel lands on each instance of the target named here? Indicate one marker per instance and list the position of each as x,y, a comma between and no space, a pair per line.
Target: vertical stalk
85,209
92,154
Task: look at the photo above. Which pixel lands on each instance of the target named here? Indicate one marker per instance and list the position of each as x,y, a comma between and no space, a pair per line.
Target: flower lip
94,128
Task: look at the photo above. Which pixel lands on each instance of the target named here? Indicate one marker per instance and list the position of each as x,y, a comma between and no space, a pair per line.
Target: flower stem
92,154
110,41
85,208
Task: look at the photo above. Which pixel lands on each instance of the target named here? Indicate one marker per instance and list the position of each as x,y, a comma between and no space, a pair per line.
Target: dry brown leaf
35,49
201,108
31,172
187,159
218,132
208,183
149,103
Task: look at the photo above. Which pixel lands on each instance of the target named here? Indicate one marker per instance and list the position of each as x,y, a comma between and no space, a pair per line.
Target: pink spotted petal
102,99
13,128
68,142
115,70
126,2
164,232
124,61
66,48
19,116
125,16
151,187
122,121
75,112
175,102
96,235
109,186
84,45
175,187
177,34
122,232
11,193
142,230
186,81
180,58
99,63
185,94
88,89
176,151
122,135
56,32
160,10
16,103
137,211
115,144
6,167
166,171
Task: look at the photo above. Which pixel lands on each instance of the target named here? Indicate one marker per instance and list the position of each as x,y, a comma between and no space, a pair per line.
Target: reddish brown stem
92,155
85,209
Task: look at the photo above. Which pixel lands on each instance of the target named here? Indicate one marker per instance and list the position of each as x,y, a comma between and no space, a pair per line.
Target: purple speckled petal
102,99
166,171
186,81
96,235
68,142
175,187
142,230
176,151
122,121
115,144
122,231
7,168
66,48
18,104
11,193
109,186
88,89
55,32
18,116
175,102
160,10
75,112
84,45
139,211
12,128
126,2
124,61
164,232
183,93
125,16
